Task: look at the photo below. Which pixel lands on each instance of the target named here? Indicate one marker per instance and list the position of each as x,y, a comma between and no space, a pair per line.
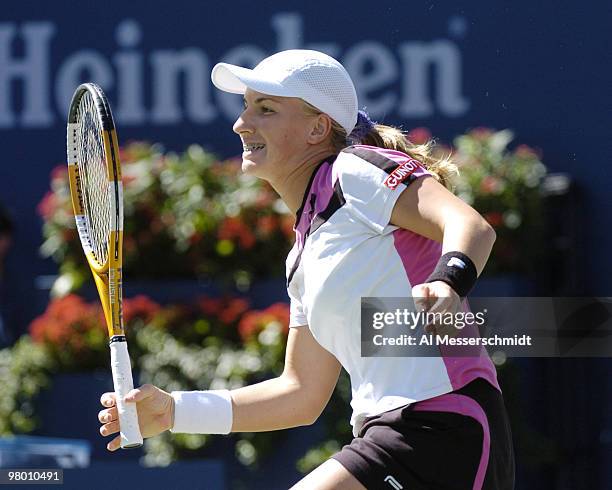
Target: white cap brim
236,79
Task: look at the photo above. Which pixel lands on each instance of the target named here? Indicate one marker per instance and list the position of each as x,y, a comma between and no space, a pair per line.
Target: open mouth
252,147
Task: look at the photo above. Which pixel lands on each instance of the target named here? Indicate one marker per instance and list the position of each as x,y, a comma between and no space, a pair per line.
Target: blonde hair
392,138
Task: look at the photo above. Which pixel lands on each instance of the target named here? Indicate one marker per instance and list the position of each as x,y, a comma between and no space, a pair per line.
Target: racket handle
123,383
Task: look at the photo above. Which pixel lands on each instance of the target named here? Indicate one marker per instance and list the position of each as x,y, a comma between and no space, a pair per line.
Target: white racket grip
123,383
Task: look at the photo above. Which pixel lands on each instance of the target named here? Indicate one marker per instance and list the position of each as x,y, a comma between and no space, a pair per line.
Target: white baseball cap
309,75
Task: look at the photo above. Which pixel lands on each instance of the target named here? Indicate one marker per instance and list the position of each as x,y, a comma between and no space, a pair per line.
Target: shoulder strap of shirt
374,157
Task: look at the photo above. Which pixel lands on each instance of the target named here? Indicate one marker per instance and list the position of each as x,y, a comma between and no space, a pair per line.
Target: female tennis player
373,219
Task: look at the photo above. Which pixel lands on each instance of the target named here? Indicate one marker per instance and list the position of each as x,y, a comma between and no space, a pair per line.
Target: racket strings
91,162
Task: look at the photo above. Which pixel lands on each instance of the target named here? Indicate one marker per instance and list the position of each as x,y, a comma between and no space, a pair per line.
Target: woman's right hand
155,409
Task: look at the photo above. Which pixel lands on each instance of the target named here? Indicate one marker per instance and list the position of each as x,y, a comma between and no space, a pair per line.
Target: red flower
101,317
494,218
249,325
59,172
141,307
247,239
267,224
229,228
233,309
195,238
38,328
124,154
127,180
419,136
281,312
526,152
490,184
210,306
287,222
227,310
234,228
255,321
481,133
47,206
264,199
66,322
69,309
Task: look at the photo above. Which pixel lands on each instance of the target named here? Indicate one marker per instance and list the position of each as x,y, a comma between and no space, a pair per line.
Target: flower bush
212,343
186,216
503,185
25,370
73,332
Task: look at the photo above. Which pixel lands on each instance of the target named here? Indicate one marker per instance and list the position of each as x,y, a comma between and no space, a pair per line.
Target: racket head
96,193
95,175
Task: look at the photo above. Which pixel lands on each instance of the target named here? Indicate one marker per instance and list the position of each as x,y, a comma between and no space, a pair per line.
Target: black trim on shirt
336,201
373,157
330,159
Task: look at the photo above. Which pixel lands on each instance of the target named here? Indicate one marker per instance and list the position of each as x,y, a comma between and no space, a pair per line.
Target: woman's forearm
297,397
270,405
471,235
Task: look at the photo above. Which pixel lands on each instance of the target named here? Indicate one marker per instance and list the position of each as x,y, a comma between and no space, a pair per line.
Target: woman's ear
320,129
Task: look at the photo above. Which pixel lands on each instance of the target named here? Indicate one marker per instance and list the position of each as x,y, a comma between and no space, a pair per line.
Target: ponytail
442,168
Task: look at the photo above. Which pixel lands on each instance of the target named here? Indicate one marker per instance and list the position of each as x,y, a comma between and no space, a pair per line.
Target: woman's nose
242,125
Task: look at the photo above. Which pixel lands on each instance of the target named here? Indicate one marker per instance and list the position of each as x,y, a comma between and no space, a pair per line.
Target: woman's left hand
437,297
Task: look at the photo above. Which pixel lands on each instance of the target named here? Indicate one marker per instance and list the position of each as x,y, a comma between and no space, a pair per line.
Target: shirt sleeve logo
401,173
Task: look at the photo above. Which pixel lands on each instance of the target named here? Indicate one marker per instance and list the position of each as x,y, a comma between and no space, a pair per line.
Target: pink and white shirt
346,249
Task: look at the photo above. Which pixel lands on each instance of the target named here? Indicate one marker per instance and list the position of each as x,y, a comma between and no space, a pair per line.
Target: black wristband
457,270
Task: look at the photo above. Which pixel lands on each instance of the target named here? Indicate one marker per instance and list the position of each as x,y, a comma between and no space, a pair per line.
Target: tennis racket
97,198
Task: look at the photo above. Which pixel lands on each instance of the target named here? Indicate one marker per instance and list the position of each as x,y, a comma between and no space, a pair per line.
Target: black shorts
459,441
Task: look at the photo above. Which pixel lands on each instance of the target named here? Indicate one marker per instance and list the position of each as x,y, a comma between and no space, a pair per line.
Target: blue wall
535,67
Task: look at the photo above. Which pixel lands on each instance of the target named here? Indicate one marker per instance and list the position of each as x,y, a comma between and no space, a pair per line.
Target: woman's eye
266,109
